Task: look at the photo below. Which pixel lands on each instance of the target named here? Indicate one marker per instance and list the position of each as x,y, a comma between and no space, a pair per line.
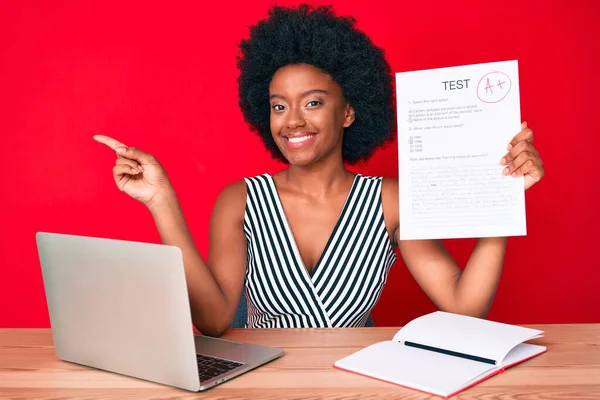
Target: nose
295,118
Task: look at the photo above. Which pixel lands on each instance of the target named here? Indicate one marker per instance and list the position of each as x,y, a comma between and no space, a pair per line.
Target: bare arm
469,291
215,286
472,290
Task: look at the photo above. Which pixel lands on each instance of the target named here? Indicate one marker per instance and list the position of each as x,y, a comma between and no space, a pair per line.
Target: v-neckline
290,233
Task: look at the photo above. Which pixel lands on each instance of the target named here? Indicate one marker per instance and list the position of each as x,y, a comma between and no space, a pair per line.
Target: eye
278,107
314,103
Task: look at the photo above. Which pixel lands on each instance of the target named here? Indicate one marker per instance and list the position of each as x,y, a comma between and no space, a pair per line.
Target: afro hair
315,36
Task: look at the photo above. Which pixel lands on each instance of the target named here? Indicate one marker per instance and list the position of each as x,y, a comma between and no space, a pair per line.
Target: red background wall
163,78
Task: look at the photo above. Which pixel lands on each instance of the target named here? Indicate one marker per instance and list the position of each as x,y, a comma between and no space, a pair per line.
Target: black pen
451,353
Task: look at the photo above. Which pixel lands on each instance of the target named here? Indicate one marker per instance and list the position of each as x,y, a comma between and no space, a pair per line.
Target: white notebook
443,353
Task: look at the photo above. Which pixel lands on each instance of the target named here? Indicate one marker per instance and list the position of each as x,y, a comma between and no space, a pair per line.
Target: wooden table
569,370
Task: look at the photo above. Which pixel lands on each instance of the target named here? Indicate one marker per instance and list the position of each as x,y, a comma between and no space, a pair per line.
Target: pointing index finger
110,142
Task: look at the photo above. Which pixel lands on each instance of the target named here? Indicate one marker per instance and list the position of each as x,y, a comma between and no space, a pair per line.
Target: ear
349,115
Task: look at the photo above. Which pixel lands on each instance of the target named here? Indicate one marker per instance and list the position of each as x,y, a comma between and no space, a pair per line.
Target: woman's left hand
523,159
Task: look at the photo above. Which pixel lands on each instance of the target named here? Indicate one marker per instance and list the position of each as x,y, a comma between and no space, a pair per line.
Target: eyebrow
313,91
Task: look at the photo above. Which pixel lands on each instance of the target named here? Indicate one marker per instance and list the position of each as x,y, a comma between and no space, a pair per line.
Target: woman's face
308,114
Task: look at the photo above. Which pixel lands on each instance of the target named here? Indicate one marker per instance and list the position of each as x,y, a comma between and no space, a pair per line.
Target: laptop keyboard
209,367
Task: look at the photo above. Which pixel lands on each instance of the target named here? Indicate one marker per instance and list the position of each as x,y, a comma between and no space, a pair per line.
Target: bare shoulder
232,200
389,187
235,189
389,193
389,200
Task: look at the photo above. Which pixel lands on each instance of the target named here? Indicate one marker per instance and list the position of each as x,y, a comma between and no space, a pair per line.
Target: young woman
312,245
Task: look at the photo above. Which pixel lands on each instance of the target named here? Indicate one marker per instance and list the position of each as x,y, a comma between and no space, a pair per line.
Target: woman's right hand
137,173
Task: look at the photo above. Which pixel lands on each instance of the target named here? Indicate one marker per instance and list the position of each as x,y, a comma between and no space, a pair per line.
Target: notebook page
518,354
414,368
522,352
463,334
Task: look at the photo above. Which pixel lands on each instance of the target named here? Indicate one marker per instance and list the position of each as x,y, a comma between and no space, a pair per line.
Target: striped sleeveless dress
345,283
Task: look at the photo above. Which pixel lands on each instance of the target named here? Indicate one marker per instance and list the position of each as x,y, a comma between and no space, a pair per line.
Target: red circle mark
496,87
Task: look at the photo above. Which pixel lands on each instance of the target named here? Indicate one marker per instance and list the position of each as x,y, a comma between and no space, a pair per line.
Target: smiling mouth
299,141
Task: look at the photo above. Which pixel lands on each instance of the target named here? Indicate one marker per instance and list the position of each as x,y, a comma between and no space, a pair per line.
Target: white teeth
300,139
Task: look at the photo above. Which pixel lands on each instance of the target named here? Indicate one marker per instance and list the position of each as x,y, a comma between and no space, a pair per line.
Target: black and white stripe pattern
345,283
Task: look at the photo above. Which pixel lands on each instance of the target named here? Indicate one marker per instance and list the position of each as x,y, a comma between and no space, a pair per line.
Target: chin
300,160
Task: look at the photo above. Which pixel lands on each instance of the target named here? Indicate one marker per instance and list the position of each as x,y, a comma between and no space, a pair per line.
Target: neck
319,180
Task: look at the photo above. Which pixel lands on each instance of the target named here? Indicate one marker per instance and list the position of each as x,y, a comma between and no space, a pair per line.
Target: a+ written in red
489,92
489,87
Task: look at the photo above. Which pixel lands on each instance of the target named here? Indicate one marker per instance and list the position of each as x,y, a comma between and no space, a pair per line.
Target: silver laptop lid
120,306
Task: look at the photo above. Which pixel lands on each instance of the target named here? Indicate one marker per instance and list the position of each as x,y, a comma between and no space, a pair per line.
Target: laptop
123,307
